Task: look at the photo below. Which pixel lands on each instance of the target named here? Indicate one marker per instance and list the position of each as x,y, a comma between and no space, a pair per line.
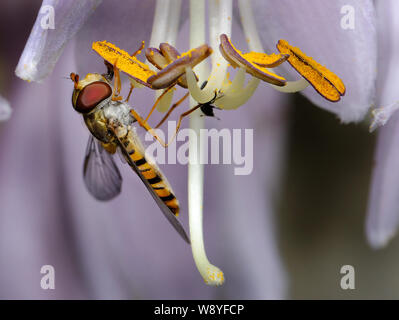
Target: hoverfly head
89,92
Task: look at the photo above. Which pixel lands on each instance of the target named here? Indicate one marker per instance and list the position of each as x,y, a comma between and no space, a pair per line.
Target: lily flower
43,49
99,271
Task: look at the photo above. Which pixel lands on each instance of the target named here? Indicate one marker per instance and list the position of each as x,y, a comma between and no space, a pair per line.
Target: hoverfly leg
159,99
174,106
146,126
214,98
184,114
130,92
150,130
138,51
117,84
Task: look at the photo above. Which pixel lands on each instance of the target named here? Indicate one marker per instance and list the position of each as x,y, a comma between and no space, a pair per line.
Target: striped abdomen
152,175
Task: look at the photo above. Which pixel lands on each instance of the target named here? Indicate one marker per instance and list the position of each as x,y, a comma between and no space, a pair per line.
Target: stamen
165,77
141,73
166,101
136,69
254,43
166,55
329,85
201,96
236,58
236,95
266,60
173,22
169,52
165,28
237,84
220,21
156,58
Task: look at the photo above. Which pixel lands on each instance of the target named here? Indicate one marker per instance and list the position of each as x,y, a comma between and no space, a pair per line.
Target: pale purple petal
315,27
383,211
35,224
246,206
125,248
5,109
47,40
381,115
124,25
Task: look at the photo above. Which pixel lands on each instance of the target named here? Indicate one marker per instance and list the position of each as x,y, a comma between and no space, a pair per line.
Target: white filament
165,29
220,20
211,274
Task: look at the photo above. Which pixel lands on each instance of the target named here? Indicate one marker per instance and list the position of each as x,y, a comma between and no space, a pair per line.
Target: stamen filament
173,23
164,29
220,19
254,43
160,23
238,82
239,97
211,274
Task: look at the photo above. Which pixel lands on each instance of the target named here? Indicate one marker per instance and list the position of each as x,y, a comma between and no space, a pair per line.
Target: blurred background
320,216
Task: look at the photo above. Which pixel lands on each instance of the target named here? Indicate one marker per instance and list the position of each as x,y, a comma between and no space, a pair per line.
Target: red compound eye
92,95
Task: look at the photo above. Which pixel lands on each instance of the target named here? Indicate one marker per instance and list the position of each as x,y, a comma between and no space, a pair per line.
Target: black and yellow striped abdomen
151,174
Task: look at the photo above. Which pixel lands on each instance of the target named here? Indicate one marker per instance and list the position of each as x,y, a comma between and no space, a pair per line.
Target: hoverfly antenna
75,78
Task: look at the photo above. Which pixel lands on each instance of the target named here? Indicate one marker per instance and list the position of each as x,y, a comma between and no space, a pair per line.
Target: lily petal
383,210
123,25
47,42
245,255
5,109
317,28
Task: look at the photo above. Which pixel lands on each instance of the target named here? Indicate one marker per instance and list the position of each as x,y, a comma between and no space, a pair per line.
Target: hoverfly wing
164,208
101,175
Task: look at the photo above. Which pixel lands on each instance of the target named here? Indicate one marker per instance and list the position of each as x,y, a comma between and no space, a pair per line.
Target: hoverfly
111,124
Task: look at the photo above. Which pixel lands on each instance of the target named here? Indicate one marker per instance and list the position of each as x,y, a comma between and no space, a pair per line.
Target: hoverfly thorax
89,92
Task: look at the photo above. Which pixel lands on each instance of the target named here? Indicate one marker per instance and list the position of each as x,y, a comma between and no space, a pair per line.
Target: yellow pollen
250,56
327,83
263,58
188,53
122,60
